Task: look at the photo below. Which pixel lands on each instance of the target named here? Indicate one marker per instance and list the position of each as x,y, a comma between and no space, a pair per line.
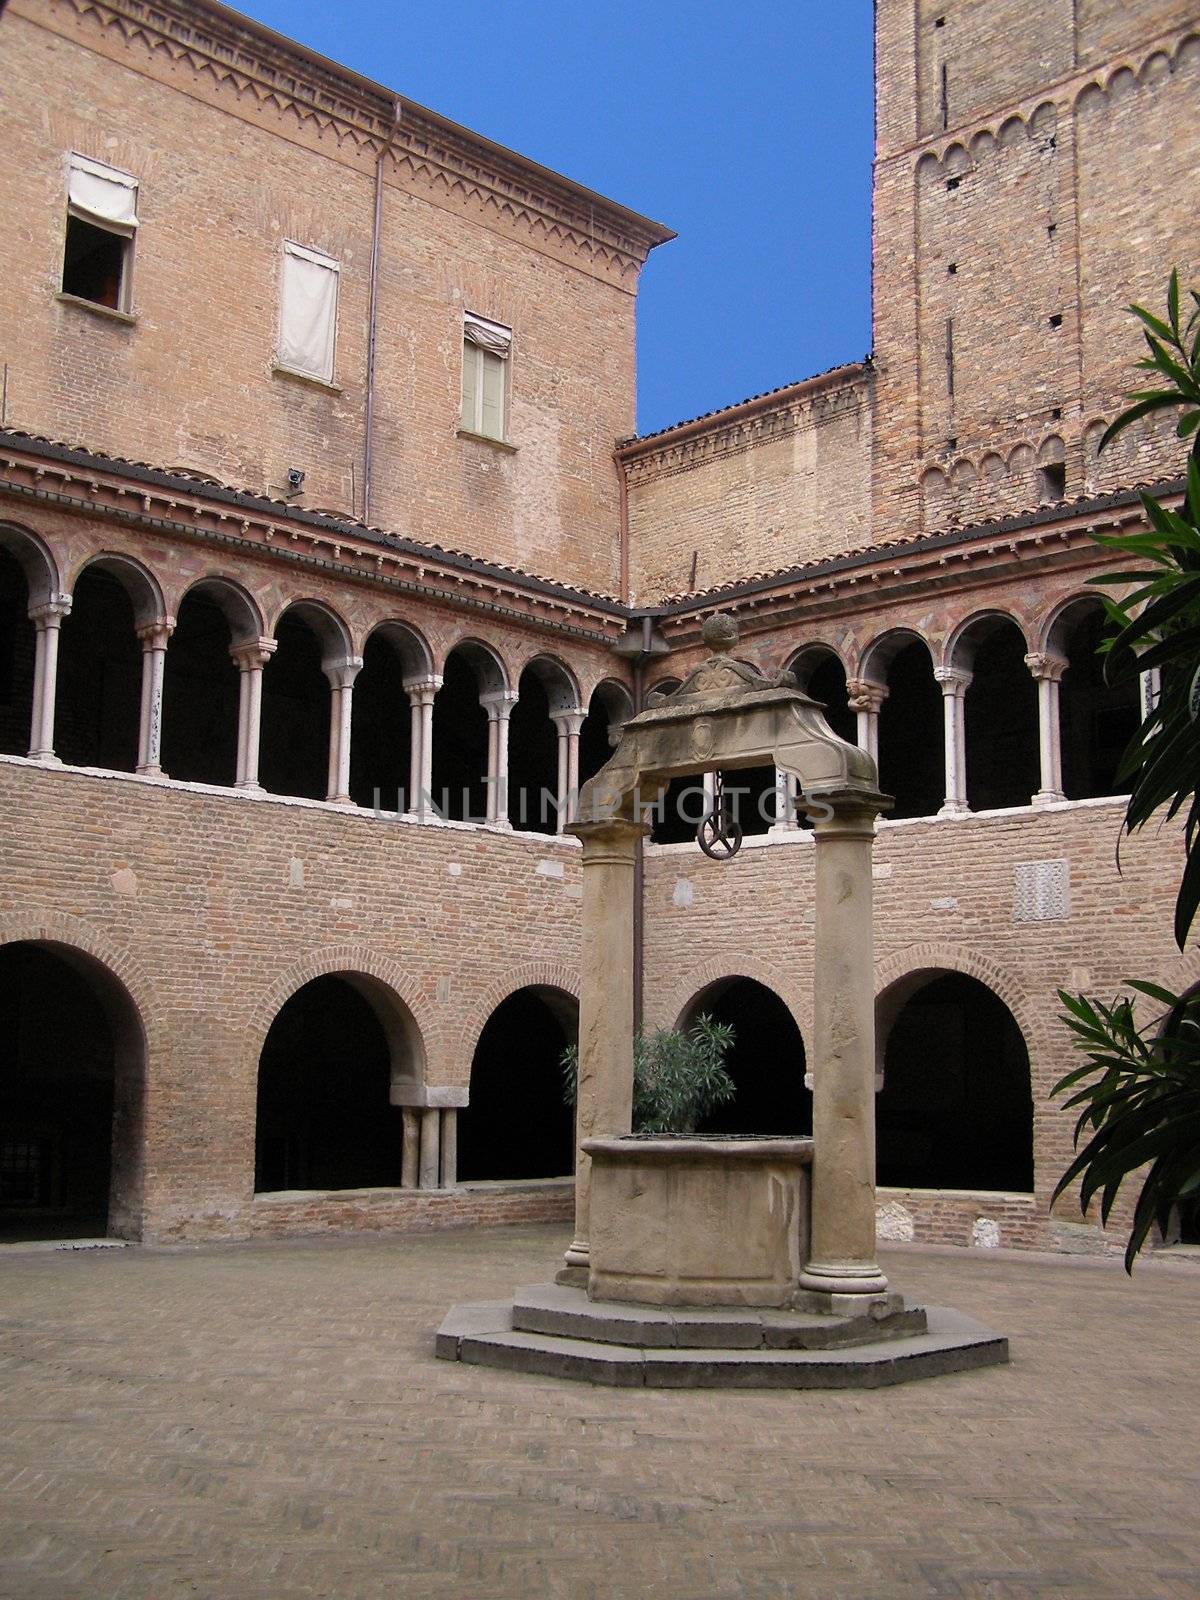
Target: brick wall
226,173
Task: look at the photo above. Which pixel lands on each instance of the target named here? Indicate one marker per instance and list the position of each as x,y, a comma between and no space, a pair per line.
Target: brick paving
268,1420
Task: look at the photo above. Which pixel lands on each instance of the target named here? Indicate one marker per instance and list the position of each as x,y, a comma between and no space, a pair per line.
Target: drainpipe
372,315
623,532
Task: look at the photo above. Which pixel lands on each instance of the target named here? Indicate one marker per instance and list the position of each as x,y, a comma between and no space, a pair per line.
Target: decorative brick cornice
740,427
455,167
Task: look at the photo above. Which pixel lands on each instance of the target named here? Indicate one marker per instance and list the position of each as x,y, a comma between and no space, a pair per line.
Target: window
101,223
308,288
486,349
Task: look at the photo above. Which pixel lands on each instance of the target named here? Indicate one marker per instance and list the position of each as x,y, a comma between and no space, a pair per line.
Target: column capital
613,839
342,671
48,613
498,703
1044,664
568,721
864,695
953,680
421,690
154,635
255,653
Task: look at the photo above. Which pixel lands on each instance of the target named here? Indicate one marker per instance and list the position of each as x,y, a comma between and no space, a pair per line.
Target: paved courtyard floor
268,1420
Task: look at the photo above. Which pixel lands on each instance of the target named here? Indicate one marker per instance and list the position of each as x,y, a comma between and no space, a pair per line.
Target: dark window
1052,481
94,263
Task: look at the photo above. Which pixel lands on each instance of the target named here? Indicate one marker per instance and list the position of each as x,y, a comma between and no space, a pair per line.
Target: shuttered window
486,349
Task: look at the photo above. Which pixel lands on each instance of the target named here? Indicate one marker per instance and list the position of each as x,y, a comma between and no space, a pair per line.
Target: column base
251,786
1048,797
47,757
954,809
853,1278
576,1266
149,771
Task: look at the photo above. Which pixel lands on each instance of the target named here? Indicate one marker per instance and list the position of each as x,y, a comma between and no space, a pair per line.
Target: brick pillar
1047,670
250,659
47,619
954,683
154,637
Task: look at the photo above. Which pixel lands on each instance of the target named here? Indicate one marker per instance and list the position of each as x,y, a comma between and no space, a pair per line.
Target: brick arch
57,927
777,979
952,958
529,975
336,960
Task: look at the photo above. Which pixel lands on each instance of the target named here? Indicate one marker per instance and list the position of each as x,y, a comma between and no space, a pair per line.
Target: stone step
483,1335
564,1312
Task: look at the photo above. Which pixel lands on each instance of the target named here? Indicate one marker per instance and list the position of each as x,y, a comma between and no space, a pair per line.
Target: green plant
679,1076
1138,1094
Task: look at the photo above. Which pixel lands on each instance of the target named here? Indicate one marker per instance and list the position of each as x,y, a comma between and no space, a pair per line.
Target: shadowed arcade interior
766,1060
517,1124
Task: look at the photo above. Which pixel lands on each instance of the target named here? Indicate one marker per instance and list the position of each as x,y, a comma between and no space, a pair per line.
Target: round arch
960,647
528,975
139,583
409,644
557,679
809,658
35,559
127,1000
485,661
330,627
239,608
879,654
915,959
767,1059
721,970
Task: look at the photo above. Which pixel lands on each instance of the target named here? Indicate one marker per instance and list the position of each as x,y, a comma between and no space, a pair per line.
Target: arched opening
1097,719
826,684
753,798
325,1120
98,709
294,752
911,745
956,1107
544,691
460,733
200,690
381,775
71,1074
766,1060
517,1124
609,706
18,640
1000,716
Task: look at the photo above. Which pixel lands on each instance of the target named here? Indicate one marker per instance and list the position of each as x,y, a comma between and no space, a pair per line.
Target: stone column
604,1102
842,1260
449,1147
786,791
410,1148
498,704
154,638
47,620
568,724
955,684
1047,670
421,694
250,659
427,1177
866,699
341,675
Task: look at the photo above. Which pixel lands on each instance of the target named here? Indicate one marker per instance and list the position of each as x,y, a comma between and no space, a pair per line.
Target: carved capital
1044,664
49,613
954,680
498,703
252,657
863,695
421,691
568,722
154,635
342,671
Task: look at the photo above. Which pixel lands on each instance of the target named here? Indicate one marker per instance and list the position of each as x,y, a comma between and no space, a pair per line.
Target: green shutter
470,387
492,421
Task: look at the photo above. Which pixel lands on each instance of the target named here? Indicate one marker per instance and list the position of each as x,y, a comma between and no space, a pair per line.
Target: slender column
421,694
786,791
866,699
47,620
341,675
1047,670
428,1171
568,724
955,684
250,659
410,1148
604,1101
498,704
449,1147
843,1178
154,638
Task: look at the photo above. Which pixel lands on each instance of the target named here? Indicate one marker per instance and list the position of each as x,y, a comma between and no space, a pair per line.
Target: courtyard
268,1420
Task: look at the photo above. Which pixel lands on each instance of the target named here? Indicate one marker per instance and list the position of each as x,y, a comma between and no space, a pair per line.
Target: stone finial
720,632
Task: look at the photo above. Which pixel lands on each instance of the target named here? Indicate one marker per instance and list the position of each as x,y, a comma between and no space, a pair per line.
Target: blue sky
746,128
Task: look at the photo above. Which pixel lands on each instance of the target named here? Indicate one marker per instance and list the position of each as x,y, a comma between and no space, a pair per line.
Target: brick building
328,559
